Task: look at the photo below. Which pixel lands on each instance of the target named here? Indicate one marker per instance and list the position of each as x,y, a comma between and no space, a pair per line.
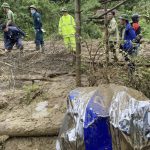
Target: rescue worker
127,34
39,41
137,28
113,34
67,30
12,36
135,24
10,19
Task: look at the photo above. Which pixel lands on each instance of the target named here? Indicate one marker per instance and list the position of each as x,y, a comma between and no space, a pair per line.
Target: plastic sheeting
131,117
85,118
91,112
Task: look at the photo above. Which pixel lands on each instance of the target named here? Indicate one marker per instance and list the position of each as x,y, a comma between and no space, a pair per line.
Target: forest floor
34,87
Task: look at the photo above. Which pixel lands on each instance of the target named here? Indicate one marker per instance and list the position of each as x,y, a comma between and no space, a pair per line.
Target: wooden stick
32,78
78,41
6,64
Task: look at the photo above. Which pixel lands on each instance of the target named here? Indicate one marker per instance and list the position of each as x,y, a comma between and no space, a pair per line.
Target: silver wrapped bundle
108,117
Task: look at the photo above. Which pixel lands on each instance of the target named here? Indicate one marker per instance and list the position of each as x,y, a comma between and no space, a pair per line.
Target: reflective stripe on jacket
67,25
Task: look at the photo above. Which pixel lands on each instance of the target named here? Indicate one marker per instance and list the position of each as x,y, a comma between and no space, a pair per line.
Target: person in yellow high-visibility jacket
67,30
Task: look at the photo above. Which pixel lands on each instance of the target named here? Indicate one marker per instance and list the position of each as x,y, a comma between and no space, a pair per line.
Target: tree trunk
78,42
106,37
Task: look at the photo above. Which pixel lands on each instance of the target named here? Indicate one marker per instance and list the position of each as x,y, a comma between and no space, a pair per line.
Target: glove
43,30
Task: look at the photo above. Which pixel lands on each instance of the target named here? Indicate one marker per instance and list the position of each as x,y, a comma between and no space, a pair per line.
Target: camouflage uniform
9,15
113,36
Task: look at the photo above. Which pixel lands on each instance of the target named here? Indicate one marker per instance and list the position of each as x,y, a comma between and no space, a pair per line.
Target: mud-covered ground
34,88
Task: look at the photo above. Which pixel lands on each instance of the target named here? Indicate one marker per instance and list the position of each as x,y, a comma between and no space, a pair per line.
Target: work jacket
67,26
10,16
128,36
136,28
37,20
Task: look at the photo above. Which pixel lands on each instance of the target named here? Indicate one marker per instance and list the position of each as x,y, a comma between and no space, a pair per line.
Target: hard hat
64,10
135,17
124,17
5,5
33,6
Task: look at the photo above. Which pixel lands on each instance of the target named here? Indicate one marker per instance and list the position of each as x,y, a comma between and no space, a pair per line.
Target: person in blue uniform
39,41
12,36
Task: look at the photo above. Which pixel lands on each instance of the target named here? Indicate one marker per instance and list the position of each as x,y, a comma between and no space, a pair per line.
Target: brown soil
25,127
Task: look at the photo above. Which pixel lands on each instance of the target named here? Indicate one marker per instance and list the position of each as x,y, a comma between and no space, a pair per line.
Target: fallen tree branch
109,10
7,64
32,78
42,78
117,63
107,1
53,75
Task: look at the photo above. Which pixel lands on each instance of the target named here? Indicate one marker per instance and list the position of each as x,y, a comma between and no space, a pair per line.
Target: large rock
40,116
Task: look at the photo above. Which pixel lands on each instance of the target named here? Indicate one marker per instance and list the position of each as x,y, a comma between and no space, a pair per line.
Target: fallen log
32,78
28,129
120,63
53,75
136,64
30,143
49,77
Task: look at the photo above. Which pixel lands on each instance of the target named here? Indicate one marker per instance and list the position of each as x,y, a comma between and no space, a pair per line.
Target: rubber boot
43,48
37,47
115,56
21,49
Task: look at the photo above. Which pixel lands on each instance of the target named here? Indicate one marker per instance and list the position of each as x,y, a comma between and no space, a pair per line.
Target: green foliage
30,91
30,88
50,11
145,28
91,30
141,81
142,7
89,5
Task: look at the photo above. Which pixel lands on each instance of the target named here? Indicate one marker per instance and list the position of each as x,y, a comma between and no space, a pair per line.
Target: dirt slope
33,93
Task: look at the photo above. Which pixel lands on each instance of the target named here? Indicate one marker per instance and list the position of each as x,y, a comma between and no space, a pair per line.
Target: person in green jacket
10,19
113,34
67,30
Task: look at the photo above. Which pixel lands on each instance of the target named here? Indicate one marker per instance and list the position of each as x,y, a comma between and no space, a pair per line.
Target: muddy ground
34,88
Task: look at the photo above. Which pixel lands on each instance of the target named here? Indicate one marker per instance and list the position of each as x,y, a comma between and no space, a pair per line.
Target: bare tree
106,36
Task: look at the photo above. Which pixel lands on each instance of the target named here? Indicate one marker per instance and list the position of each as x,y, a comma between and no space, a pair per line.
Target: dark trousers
112,47
39,37
10,43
